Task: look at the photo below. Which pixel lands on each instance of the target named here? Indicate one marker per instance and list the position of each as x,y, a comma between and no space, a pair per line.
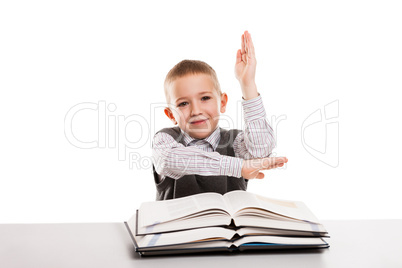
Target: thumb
260,175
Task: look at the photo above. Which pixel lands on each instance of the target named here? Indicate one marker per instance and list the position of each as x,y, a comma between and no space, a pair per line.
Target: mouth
198,122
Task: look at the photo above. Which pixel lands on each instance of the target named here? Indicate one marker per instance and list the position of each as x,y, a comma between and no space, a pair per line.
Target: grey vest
194,184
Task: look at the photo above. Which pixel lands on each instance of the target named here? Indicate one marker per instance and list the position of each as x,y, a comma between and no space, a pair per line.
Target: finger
250,46
273,167
279,165
245,42
270,162
275,160
276,166
242,44
238,56
281,159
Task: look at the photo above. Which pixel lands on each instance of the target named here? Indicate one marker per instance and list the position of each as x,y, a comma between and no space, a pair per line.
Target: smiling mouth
198,122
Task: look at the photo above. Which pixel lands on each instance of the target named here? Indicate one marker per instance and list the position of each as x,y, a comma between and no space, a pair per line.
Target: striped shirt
175,160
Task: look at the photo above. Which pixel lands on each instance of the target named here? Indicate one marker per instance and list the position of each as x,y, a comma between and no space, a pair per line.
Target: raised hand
245,67
251,169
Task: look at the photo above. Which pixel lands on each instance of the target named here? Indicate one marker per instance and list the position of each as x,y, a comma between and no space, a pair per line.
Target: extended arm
173,159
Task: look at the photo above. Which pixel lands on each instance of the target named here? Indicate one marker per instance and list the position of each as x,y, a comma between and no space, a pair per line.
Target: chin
199,135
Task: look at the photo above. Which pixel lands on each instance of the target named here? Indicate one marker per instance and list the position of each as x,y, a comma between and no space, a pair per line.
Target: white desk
373,243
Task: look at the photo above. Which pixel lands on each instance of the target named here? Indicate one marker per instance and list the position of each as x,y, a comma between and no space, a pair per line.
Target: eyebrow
201,93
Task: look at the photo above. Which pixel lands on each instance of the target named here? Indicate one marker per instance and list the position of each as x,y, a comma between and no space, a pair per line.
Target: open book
237,220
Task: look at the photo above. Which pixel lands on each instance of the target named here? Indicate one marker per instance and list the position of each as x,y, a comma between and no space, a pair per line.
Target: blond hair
186,67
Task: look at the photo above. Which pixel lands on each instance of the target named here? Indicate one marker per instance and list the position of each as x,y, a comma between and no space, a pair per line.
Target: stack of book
235,221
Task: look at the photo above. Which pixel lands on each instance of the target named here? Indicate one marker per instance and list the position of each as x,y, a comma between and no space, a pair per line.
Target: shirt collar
212,139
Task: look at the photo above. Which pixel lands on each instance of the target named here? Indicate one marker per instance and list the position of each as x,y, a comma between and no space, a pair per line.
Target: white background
55,55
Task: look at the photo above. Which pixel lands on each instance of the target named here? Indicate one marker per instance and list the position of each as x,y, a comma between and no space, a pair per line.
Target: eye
182,104
205,98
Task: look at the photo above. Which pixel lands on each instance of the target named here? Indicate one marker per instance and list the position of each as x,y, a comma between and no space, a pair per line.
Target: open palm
252,168
245,61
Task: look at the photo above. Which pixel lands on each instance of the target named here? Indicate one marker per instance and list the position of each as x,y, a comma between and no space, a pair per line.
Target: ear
169,114
224,101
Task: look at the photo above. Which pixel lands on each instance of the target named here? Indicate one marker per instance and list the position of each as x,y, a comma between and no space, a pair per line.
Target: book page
247,231
183,237
246,201
279,224
238,200
280,240
161,211
188,223
182,248
210,200
292,209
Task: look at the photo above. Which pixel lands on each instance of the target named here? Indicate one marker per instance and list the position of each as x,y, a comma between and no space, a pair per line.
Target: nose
195,109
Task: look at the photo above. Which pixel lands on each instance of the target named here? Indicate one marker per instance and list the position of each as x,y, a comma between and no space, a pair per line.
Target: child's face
196,104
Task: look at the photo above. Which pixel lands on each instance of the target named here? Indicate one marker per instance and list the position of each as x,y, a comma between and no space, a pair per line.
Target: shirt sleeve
174,160
257,140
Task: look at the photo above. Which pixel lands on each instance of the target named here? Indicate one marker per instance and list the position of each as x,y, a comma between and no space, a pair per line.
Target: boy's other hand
251,169
245,67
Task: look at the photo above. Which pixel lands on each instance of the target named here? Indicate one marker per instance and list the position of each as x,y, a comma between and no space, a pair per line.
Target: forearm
249,91
257,140
174,160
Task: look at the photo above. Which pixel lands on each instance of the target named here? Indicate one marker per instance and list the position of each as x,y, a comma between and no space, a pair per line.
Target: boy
198,156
